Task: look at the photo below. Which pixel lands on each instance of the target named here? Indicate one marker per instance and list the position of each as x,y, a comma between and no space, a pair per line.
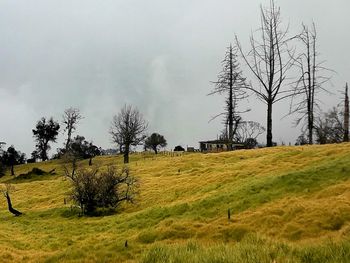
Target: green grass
250,250
281,199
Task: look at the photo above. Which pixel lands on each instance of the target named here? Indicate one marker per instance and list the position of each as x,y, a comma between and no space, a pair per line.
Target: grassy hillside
288,204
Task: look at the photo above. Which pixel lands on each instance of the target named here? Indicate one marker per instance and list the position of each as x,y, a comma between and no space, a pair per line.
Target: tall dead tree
310,81
346,115
71,118
269,61
231,83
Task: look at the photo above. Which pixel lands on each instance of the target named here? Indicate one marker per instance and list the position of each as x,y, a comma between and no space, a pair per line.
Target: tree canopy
155,141
45,131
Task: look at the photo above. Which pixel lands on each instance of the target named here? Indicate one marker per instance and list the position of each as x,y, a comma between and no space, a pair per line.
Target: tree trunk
155,150
12,170
269,124
310,88
230,105
90,161
346,115
44,152
310,125
311,132
126,154
11,209
68,139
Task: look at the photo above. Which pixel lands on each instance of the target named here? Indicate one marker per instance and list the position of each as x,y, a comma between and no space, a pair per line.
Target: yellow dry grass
286,194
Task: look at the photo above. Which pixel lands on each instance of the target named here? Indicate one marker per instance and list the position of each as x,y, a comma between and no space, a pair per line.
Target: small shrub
93,189
31,174
37,171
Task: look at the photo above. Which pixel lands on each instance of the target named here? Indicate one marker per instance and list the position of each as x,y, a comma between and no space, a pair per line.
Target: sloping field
287,204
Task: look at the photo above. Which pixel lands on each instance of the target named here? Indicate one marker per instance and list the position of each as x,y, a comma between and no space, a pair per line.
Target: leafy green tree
45,131
155,141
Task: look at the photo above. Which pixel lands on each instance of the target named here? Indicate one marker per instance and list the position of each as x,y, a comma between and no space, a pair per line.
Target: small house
219,146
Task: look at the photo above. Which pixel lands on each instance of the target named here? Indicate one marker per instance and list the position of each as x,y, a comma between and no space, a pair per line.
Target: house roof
221,142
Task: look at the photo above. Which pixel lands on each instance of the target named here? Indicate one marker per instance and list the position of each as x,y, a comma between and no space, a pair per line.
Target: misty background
157,55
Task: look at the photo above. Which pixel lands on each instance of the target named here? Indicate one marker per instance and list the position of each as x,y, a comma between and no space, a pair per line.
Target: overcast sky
158,55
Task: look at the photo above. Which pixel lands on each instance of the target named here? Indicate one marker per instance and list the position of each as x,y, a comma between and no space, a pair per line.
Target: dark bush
35,172
179,148
93,189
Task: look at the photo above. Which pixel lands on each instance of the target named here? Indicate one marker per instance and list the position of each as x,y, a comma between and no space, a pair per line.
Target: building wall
213,147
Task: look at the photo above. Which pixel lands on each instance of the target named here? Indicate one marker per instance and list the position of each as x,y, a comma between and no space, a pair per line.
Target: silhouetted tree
34,157
346,115
155,141
310,81
127,129
179,148
269,60
45,132
2,164
301,140
12,157
71,118
329,127
230,83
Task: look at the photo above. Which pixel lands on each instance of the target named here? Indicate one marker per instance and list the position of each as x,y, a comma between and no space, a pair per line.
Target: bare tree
346,115
269,61
127,129
310,81
6,192
70,164
71,118
248,130
231,83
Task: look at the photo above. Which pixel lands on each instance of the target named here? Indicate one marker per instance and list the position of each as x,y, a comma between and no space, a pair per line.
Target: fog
157,55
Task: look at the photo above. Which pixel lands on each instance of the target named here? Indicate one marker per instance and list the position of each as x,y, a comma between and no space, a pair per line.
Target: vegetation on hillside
289,204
